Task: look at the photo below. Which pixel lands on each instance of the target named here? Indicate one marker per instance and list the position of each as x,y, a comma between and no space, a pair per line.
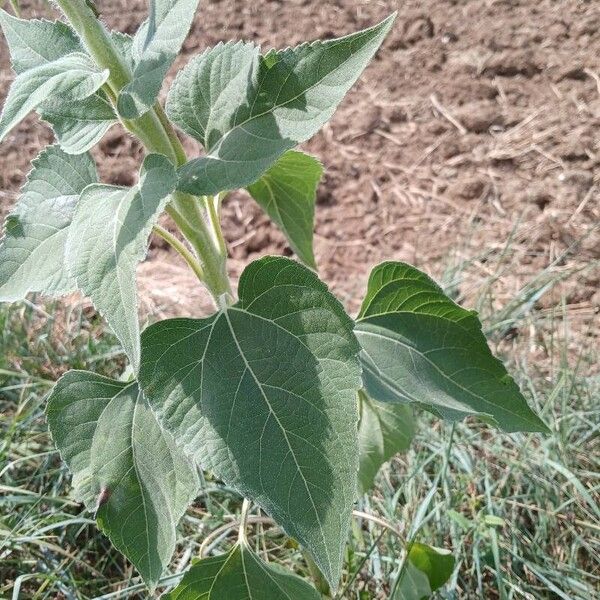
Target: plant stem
213,535
184,212
242,539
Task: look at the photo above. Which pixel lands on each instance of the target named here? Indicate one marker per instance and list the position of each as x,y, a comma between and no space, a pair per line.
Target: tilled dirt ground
470,147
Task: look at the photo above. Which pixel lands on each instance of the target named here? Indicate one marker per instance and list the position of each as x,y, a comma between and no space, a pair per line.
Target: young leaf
437,564
264,394
210,90
419,346
427,569
125,466
256,108
287,193
156,46
80,125
384,429
34,42
32,251
109,237
74,75
237,575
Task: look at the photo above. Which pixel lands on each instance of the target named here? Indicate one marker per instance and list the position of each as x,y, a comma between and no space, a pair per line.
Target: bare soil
470,147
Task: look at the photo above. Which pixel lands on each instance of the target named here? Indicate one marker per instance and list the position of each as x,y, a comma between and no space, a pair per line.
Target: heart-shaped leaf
287,193
32,251
109,237
79,126
240,575
419,346
248,110
125,466
264,394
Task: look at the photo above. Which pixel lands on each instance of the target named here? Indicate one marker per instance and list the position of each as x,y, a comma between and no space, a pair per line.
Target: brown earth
470,147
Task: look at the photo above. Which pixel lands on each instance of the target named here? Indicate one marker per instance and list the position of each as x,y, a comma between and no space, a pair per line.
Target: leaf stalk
242,538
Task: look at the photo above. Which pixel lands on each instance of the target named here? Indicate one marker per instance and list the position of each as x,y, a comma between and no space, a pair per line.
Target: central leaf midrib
282,428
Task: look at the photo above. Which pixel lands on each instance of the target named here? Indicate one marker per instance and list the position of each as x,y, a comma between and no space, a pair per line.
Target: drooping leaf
155,47
32,251
419,346
427,569
80,125
248,110
287,193
109,237
240,575
74,75
264,394
384,429
124,466
34,42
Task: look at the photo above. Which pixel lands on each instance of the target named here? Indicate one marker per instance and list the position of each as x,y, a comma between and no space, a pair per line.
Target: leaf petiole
180,247
242,537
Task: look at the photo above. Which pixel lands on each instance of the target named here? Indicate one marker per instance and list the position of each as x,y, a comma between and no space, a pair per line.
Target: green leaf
287,193
384,429
34,42
427,569
436,563
124,465
419,346
248,110
413,584
32,252
109,237
74,75
156,45
264,394
240,575
79,125
210,90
